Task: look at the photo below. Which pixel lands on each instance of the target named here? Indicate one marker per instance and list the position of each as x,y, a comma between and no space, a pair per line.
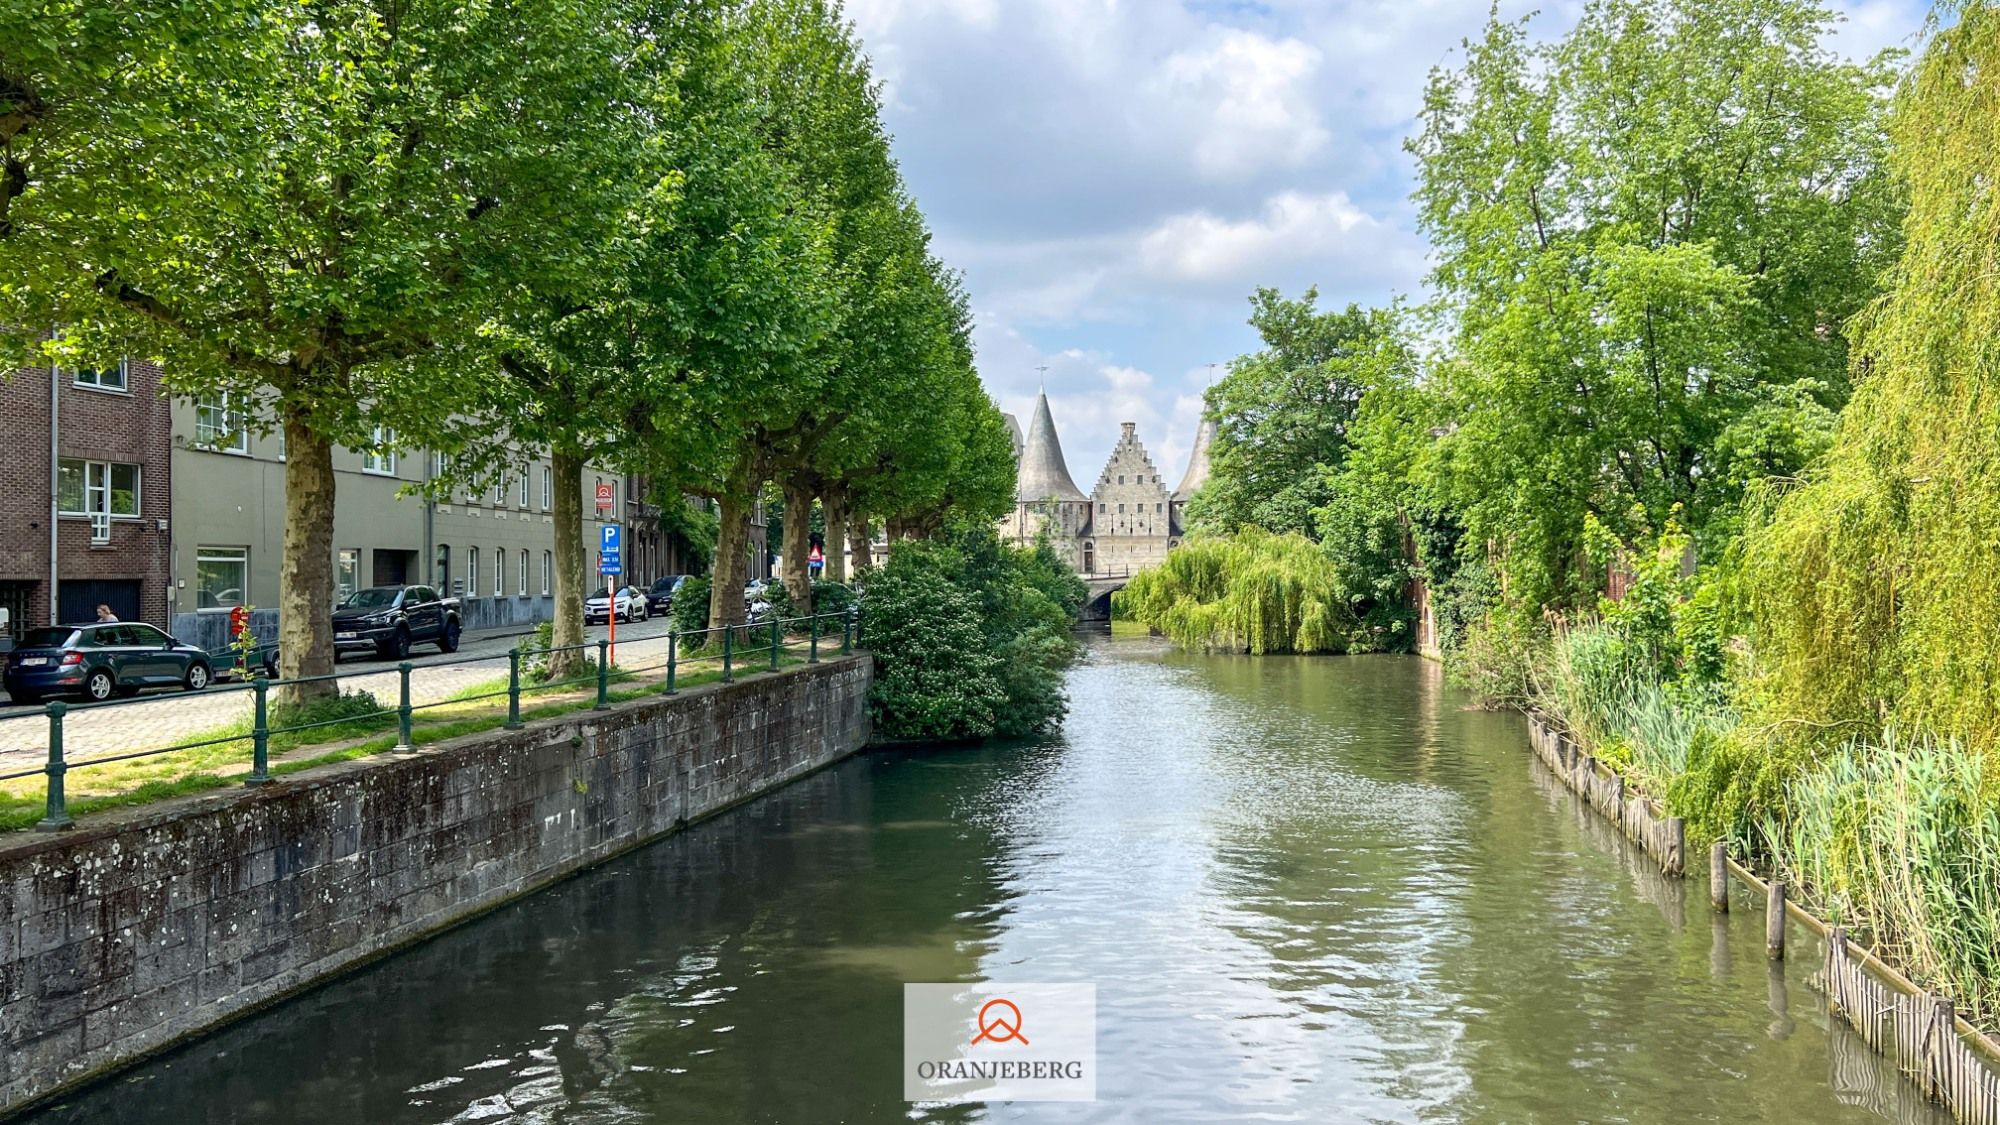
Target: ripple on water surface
1307,889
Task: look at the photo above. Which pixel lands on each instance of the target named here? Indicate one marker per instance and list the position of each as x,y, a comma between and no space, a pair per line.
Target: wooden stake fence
1946,1057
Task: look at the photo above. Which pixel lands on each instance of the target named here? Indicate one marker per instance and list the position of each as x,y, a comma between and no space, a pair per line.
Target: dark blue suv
100,661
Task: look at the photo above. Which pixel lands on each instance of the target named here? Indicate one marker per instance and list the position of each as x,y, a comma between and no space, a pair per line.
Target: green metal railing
683,650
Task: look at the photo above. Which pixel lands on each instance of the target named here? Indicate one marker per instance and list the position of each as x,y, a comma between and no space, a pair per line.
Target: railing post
812,653
673,653
56,815
513,689
603,674
847,631
728,647
854,615
260,733
403,739
777,633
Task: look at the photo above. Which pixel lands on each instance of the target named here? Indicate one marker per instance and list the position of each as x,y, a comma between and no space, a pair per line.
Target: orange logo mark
996,1027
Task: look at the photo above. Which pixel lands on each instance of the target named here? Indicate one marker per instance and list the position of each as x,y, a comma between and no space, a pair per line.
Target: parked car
631,605
389,619
660,598
102,661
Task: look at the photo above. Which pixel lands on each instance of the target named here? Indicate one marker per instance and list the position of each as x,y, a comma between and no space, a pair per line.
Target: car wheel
98,686
449,642
197,677
399,645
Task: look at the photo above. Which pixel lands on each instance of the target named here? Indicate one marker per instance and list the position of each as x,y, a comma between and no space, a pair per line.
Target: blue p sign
610,541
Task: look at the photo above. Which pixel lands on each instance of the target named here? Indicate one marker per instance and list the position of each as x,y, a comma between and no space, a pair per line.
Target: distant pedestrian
104,614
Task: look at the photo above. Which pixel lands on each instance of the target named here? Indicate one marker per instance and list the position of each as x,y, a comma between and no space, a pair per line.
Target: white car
630,605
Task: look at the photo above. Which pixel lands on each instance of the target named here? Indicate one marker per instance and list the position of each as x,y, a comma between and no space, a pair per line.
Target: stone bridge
1097,606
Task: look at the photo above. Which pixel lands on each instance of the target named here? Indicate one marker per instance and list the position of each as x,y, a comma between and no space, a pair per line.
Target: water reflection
1306,889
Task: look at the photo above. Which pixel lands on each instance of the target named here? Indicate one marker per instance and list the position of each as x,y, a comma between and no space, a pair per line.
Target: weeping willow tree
1250,592
1875,586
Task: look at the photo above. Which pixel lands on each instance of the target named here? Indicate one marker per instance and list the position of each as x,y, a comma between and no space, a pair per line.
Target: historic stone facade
1128,523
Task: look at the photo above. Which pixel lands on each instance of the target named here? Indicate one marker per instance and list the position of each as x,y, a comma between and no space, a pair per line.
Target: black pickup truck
389,619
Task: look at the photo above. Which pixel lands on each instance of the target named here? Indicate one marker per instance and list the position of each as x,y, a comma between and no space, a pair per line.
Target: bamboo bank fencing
1948,1059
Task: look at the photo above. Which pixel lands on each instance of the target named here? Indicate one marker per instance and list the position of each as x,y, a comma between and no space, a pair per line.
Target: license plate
343,636
31,661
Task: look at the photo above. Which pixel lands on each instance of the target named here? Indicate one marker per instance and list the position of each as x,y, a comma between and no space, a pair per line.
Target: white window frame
238,555
548,490
525,482
225,423
381,464
499,572
523,582
548,564
472,572
124,386
97,487
338,560
500,492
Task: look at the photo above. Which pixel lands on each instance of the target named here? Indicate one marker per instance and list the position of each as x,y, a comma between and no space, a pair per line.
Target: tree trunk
834,504
798,527
569,548
305,574
732,546
857,543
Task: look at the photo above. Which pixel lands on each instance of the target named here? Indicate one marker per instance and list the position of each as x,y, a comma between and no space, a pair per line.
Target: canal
1307,889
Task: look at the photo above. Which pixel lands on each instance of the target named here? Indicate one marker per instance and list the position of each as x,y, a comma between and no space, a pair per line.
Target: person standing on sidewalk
104,615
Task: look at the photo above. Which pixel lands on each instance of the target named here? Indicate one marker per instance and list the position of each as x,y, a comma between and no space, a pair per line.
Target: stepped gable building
1129,521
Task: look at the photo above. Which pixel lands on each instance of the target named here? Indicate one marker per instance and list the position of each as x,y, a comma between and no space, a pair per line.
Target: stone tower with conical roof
1194,478
1045,498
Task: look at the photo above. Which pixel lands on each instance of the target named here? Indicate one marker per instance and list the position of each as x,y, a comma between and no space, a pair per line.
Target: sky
1115,177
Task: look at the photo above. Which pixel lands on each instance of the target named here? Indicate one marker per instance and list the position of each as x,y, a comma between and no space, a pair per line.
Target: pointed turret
1197,470
1043,476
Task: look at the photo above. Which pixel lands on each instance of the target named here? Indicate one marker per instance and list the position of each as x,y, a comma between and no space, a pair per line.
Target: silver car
629,604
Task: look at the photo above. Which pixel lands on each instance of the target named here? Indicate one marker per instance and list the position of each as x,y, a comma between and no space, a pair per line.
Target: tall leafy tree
352,185
1282,414
1649,236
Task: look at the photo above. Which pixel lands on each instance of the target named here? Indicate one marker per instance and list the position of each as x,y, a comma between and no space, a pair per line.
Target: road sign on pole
608,564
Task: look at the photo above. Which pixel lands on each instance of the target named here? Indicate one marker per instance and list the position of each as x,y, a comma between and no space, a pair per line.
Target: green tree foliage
1253,592
971,637
1649,235
291,204
1873,585
1282,414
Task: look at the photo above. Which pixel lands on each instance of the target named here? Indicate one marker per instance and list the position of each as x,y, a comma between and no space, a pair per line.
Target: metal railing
743,648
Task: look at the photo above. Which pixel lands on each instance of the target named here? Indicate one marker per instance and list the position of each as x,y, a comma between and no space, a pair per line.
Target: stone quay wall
139,929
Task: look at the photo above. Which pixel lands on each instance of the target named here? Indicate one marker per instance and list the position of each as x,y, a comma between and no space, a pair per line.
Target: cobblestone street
173,717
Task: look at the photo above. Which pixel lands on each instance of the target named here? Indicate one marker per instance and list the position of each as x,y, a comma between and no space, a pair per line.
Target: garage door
78,599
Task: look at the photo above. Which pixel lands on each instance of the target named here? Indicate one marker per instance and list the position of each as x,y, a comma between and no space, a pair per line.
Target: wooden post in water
1774,921
1677,832
1718,877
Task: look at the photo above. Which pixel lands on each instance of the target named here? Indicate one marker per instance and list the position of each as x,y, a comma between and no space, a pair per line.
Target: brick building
84,505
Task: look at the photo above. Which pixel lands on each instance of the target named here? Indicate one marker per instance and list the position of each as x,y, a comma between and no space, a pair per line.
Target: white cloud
1250,101
1292,227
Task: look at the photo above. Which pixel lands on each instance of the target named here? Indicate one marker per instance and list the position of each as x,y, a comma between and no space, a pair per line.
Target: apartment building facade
85,495
494,547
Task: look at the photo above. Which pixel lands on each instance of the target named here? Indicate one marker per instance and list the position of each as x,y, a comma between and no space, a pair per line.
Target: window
499,571
1121,478
380,457
524,491
442,571
472,571
1121,509
1102,507
109,379
1158,508
500,492
346,573
218,424
97,488
548,564
548,492
522,578
220,575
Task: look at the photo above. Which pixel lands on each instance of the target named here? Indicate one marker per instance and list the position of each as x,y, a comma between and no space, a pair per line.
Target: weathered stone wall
136,930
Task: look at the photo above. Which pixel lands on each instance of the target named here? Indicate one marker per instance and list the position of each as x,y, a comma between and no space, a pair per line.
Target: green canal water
1311,889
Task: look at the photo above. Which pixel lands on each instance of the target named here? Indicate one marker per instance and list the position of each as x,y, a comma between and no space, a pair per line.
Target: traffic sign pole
609,565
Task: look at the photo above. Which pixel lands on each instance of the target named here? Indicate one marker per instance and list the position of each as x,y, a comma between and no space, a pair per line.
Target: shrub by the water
1251,592
971,638
689,613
